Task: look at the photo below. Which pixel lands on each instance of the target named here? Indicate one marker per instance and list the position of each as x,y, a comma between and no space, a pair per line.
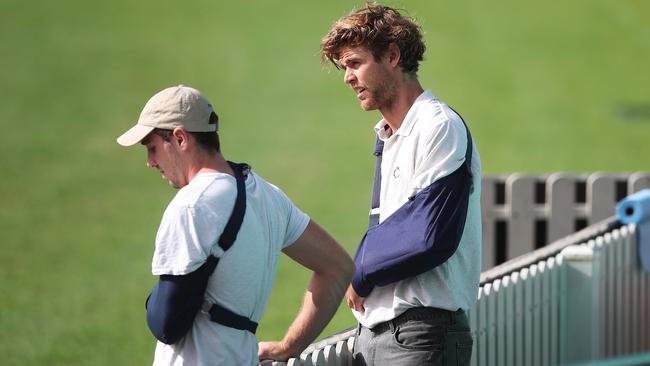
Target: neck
209,163
407,91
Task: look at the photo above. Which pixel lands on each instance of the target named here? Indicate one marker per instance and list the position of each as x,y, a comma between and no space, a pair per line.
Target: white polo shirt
430,144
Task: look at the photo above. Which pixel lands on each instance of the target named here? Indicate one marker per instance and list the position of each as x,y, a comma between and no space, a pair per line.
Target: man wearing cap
217,247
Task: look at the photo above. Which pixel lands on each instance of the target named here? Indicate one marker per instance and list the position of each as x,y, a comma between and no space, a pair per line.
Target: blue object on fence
635,209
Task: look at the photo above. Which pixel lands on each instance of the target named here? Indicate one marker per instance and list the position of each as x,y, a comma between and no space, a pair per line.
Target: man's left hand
355,301
275,351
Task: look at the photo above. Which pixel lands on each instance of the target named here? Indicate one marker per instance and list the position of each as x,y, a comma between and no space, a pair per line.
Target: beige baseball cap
178,106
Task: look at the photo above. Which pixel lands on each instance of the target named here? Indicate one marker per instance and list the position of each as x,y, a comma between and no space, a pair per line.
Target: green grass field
544,87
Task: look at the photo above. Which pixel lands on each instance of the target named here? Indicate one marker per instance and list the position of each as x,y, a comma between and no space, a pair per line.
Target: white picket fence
588,302
522,212
584,297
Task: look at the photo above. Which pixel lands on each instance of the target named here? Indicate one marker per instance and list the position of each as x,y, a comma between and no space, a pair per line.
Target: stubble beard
380,97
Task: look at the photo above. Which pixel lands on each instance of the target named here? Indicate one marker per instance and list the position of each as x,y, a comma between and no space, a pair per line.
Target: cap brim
134,135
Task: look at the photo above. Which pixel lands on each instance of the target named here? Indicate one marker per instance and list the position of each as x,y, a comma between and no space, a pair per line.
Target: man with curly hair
418,265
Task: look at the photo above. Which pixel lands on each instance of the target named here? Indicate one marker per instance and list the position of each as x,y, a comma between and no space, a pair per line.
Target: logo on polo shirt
396,172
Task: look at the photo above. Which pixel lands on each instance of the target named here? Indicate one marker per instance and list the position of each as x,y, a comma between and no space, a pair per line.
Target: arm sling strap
175,300
420,235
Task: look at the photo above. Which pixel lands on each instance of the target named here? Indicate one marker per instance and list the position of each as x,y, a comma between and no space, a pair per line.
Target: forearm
333,268
320,303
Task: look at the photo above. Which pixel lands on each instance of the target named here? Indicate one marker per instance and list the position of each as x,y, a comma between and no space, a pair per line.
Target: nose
349,77
150,162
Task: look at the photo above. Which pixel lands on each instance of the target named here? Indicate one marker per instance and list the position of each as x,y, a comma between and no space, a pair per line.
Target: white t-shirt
242,281
430,144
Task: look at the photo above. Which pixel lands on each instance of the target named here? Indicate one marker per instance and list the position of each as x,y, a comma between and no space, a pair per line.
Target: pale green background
544,87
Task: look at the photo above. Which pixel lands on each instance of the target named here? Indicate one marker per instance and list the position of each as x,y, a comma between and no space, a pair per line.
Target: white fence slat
638,181
492,323
536,313
577,312
627,274
600,273
601,193
305,360
329,354
318,358
641,305
554,281
644,296
350,344
499,317
528,315
560,188
635,288
343,353
544,312
611,296
647,304
520,194
620,301
633,270
519,278
507,304
489,218
483,325
294,362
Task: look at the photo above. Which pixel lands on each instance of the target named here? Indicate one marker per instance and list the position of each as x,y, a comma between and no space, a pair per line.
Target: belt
419,313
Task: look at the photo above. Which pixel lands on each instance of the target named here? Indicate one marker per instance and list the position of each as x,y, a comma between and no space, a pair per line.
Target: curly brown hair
376,27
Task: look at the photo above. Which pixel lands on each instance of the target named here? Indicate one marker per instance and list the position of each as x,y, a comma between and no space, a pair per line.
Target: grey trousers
420,336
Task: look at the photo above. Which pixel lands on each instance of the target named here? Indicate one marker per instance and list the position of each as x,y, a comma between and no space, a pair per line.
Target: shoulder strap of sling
379,151
218,313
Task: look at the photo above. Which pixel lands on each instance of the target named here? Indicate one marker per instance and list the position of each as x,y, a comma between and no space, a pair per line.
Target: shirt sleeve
187,235
296,220
296,226
443,150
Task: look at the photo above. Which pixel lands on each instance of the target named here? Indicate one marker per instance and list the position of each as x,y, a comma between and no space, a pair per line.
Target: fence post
578,306
602,195
492,212
638,181
520,195
563,204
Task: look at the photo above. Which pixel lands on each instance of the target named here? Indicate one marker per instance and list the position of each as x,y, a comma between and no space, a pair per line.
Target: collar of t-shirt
384,133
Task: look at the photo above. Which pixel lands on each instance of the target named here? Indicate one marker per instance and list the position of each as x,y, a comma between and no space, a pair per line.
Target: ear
393,55
180,136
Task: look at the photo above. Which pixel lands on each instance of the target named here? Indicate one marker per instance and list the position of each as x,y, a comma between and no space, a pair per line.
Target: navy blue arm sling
422,234
175,300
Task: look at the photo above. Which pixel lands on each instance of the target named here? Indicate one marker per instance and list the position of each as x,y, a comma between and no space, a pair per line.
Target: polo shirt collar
382,130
